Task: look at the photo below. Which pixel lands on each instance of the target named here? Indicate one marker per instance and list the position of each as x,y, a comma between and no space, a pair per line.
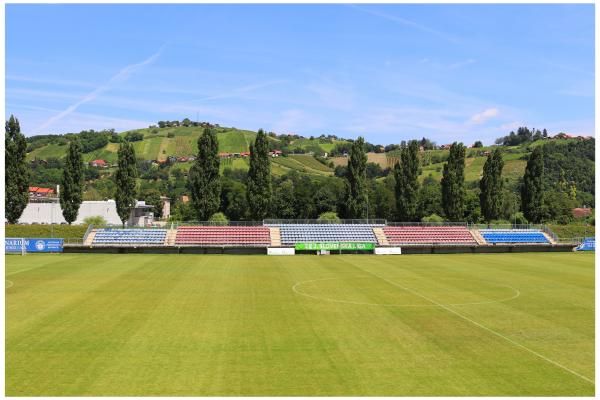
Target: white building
51,213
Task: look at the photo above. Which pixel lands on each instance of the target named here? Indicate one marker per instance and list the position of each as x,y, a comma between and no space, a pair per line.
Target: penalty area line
464,317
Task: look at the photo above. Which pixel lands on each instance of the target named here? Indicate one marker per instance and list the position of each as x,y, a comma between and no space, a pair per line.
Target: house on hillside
40,192
99,163
581,212
225,155
245,154
445,147
275,153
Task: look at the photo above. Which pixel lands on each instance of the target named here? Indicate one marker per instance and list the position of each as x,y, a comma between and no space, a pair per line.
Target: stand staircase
381,238
478,238
275,234
170,238
89,238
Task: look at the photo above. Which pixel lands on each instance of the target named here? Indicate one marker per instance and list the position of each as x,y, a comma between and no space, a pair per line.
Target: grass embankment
572,230
46,231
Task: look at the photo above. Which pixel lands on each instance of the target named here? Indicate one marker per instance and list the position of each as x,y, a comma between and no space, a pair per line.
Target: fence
369,221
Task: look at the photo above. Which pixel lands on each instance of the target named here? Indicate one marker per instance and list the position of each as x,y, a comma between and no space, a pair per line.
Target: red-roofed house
35,191
99,163
245,154
581,212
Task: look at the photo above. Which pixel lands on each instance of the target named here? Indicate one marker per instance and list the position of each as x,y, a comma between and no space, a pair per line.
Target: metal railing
175,224
369,221
426,224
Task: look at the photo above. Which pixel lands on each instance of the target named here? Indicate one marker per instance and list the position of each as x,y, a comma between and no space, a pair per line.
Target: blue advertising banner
588,244
33,245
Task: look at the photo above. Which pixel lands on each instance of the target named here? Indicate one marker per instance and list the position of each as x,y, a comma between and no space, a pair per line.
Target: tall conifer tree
203,179
453,183
406,172
71,193
258,189
357,180
491,185
16,180
532,191
125,181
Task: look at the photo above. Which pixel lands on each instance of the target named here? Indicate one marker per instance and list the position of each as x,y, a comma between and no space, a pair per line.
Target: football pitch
412,325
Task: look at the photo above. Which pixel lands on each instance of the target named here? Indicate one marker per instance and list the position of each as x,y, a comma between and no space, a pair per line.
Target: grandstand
304,236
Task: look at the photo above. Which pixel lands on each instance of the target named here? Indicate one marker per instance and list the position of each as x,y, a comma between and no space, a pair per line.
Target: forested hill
569,165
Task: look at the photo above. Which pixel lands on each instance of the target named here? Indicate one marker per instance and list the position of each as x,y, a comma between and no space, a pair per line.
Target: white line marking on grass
296,289
445,307
24,270
9,284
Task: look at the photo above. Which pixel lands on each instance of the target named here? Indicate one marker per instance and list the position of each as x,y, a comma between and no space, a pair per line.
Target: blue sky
387,72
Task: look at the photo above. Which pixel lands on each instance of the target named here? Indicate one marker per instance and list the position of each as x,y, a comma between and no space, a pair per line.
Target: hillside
159,143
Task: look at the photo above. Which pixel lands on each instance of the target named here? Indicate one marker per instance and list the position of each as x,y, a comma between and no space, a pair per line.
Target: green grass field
421,325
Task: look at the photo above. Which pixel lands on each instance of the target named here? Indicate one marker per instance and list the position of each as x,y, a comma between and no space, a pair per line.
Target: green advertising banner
335,246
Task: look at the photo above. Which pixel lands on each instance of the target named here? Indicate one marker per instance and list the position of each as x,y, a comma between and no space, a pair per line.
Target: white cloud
120,77
461,64
482,117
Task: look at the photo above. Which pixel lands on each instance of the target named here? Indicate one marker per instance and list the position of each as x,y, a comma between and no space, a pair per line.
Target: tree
532,190
219,218
125,181
16,180
203,178
453,183
430,197
233,199
283,200
356,178
329,216
71,193
259,178
406,172
152,197
477,144
96,220
491,186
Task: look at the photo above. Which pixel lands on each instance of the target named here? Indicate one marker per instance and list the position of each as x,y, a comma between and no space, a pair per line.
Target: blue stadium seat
326,233
513,236
130,236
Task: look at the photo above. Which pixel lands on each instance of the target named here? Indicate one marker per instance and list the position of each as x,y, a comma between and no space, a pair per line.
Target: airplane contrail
121,76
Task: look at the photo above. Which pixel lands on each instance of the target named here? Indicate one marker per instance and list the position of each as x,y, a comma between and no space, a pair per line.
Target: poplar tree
258,190
125,181
71,191
406,172
453,183
203,178
16,180
491,185
532,190
357,180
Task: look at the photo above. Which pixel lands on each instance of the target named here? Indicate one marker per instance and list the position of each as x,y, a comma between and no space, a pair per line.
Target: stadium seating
513,236
407,235
326,233
223,235
129,236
